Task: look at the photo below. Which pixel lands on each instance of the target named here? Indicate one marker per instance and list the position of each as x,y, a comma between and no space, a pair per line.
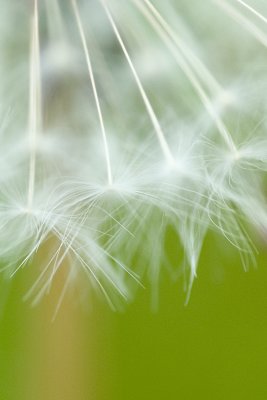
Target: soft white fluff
123,121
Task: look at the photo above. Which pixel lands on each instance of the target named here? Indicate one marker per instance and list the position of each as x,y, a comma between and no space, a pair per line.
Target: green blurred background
214,348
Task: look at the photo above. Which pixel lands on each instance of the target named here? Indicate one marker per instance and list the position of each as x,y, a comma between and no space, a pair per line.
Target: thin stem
156,21
92,79
162,141
35,102
253,10
196,63
243,21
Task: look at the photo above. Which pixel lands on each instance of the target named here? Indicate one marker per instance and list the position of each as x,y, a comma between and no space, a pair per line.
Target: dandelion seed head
127,121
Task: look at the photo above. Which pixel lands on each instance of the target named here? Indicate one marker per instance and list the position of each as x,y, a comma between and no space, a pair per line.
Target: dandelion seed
109,160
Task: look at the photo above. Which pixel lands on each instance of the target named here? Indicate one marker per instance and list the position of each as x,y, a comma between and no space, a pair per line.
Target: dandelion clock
133,150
